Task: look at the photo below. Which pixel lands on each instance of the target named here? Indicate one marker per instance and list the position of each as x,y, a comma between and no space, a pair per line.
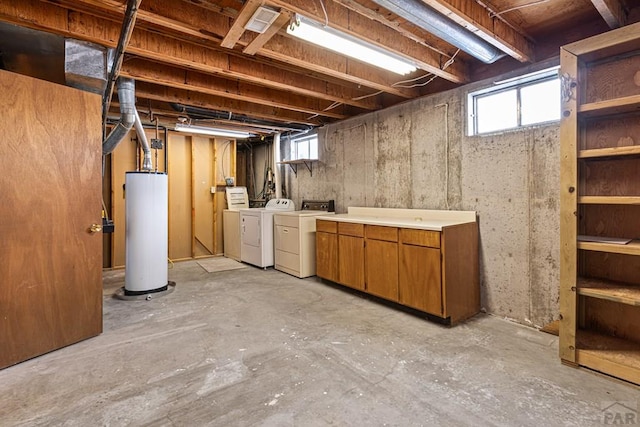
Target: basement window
304,148
515,103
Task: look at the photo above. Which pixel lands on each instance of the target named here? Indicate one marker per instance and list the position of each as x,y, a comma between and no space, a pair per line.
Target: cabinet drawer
349,229
288,220
420,237
288,262
390,234
326,226
287,239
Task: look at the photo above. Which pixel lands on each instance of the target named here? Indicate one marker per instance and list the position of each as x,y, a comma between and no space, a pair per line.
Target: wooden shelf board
596,153
610,355
606,289
612,106
609,200
632,248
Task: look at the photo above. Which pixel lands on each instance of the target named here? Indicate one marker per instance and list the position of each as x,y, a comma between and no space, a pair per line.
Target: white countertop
417,222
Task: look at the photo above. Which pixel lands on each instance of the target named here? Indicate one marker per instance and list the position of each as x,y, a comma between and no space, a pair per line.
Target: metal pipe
147,165
128,23
439,25
126,96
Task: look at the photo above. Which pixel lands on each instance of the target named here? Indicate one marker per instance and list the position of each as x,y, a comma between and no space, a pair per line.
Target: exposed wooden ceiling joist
237,29
158,47
181,96
261,39
477,19
153,72
612,11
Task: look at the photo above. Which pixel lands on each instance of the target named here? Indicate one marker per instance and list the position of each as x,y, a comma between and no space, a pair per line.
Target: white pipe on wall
276,166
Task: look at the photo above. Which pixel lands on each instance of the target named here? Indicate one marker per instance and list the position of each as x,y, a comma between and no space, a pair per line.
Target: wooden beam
259,41
181,96
612,11
234,34
350,22
49,17
151,72
477,19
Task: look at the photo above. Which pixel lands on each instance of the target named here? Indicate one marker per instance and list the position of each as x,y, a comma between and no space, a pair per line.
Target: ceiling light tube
202,130
337,41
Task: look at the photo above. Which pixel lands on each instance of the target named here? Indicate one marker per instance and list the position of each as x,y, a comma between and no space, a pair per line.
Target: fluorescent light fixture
211,131
337,41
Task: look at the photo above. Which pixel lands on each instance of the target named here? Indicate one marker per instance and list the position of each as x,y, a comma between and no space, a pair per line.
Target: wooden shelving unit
600,200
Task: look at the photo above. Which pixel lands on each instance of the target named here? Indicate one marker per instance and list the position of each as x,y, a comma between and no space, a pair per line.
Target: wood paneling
179,169
50,156
611,318
613,79
612,177
203,206
611,132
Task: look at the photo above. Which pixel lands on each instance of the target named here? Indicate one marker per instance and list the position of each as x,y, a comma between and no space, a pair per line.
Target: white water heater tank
147,233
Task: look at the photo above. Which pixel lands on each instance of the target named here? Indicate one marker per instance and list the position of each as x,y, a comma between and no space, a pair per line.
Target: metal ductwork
128,113
198,113
439,25
147,165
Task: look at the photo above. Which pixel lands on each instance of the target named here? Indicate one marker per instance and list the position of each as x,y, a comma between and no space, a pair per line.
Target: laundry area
288,213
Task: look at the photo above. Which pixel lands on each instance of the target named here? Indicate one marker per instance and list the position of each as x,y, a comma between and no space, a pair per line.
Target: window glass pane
313,148
540,102
303,149
292,150
496,112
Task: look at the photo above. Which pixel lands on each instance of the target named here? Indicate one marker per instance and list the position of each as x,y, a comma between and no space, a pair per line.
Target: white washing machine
257,232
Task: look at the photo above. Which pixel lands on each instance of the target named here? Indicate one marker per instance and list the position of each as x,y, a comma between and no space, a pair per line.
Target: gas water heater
146,239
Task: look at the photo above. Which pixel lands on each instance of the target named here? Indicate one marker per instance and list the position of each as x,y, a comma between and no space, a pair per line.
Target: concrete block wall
417,155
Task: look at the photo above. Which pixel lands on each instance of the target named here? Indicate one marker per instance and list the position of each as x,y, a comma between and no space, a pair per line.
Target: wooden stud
612,11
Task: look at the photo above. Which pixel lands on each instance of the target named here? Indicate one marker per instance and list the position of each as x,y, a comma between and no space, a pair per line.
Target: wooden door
420,284
351,261
50,157
382,269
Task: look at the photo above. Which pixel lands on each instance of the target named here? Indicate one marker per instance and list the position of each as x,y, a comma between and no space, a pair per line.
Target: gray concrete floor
256,347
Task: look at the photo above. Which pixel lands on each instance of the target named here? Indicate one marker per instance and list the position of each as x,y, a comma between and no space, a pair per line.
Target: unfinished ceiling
195,59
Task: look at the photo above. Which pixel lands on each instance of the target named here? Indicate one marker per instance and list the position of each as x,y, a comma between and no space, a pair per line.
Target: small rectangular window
522,101
304,148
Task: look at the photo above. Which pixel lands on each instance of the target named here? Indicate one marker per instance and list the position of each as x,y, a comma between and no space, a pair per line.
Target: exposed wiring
522,6
326,17
224,151
400,83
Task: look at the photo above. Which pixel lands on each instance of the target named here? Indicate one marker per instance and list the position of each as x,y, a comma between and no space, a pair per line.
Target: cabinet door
382,269
420,278
327,255
351,261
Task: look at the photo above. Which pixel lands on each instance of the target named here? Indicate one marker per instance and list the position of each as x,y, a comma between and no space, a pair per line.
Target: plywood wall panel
203,180
179,169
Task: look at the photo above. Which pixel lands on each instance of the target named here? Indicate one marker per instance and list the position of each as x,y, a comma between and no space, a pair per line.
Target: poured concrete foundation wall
417,155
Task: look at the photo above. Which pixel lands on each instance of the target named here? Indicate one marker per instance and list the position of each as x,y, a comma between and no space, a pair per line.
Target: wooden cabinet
327,250
381,261
351,255
420,279
432,271
600,204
